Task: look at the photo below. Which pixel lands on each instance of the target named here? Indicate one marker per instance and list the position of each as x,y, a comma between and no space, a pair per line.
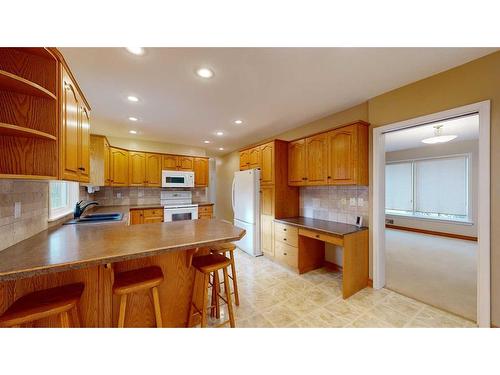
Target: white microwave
177,179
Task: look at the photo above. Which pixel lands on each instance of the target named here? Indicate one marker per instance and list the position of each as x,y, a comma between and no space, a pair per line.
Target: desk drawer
153,212
286,254
286,234
336,240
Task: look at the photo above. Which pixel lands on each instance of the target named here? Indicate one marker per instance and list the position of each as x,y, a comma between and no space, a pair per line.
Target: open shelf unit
29,107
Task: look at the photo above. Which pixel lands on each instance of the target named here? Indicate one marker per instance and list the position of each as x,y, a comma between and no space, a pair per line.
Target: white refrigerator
246,209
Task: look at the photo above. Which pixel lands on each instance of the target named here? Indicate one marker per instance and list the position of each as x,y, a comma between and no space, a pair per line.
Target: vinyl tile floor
272,296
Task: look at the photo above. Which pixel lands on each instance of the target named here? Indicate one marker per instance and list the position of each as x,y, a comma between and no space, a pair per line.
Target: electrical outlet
118,195
17,210
140,194
361,202
343,201
352,201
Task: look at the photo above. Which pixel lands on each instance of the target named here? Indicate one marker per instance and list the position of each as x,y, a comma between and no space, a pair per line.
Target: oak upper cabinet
75,132
244,160
297,163
107,163
254,157
136,168
185,163
267,164
169,162
348,155
200,171
153,169
119,167
317,159
99,160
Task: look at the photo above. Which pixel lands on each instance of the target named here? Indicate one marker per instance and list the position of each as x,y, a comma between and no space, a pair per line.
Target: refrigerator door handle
232,194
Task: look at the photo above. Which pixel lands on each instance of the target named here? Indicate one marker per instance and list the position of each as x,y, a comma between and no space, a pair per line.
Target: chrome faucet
80,208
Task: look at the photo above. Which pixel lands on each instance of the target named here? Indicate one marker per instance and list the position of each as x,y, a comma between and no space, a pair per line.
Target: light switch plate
17,210
352,201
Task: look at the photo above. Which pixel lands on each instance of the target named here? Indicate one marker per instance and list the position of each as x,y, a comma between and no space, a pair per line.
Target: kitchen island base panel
98,306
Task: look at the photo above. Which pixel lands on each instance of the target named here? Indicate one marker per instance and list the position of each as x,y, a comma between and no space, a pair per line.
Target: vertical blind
437,186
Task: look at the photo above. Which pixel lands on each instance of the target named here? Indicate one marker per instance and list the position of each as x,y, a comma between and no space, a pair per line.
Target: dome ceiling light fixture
438,136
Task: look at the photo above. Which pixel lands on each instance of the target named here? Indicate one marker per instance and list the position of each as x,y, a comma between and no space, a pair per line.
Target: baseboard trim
432,232
332,266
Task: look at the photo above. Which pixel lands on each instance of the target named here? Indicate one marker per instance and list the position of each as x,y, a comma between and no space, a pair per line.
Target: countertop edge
284,221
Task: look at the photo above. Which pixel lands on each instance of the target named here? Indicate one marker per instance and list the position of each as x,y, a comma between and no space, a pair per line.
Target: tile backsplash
33,198
124,196
335,203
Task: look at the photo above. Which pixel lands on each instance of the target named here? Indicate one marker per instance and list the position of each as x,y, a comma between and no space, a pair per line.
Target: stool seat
135,280
222,248
41,304
210,263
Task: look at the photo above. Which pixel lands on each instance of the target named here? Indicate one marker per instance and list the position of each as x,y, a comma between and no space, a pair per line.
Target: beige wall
225,168
473,82
150,146
452,148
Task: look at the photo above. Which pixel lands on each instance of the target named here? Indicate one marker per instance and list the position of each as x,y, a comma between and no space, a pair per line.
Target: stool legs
121,314
156,302
233,275
228,298
205,297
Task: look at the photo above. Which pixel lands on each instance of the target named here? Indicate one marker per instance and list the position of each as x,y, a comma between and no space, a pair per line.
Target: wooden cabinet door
254,157
136,217
267,164
107,163
136,168
297,163
69,131
119,167
244,160
341,160
200,172
84,145
267,200
170,162
266,235
185,163
317,159
153,170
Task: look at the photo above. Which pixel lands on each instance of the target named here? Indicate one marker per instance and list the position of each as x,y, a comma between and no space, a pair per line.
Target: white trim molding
378,206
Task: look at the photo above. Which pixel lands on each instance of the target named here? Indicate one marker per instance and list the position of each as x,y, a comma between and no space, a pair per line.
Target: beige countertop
83,245
325,226
146,206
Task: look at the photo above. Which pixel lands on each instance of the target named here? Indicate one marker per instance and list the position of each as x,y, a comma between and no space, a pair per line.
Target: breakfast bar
92,253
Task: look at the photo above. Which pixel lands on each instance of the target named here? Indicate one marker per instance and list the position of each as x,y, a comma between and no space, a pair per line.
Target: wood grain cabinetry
244,160
118,169
170,162
267,164
254,158
336,157
205,212
178,163
200,166
153,170
136,168
146,216
286,240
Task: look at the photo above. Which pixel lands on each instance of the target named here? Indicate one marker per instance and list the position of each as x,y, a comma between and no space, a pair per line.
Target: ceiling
466,128
271,89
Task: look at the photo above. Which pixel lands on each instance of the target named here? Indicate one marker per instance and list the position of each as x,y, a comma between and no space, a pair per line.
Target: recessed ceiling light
205,73
132,131
136,50
438,137
221,148
133,119
220,133
238,122
133,98
206,141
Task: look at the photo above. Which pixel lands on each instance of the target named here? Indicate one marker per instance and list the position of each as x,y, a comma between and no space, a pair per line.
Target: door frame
483,215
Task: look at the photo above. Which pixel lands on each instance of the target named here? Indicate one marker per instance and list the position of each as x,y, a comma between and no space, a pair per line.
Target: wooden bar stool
134,281
206,265
44,303
224,249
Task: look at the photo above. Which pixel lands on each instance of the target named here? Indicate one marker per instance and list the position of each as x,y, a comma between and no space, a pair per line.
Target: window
63,196
436,188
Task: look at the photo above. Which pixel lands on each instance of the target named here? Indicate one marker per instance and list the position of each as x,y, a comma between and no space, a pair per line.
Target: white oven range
178,205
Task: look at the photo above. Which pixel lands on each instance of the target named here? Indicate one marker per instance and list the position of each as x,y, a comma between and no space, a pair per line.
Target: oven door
178,214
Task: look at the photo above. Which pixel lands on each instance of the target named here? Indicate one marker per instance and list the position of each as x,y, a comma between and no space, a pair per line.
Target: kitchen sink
92,218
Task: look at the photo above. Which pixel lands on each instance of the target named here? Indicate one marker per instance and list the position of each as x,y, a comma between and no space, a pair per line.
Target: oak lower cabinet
118,169
266,234
146,216
336,157
136,168
205,212
75,132
200,166
286,245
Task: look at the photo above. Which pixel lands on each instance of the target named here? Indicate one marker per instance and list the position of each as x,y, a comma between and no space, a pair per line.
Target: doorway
419,178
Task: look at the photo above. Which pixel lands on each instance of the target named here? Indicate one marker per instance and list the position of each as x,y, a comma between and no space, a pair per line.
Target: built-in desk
300,244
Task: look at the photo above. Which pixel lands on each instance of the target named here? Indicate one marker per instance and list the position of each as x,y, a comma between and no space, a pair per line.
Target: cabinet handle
329,177
284,239
81,168
284,229
317,236
285,254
